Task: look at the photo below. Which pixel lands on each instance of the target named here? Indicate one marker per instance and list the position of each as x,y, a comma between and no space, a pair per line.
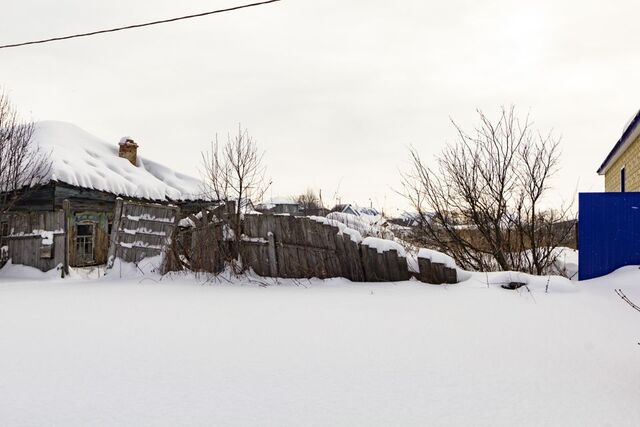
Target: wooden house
78,199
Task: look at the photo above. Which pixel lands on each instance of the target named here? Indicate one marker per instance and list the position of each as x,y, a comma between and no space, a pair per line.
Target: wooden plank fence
436,273
300,247
141,230
201,247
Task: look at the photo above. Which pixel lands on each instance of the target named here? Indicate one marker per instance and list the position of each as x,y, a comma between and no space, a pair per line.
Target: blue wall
608,232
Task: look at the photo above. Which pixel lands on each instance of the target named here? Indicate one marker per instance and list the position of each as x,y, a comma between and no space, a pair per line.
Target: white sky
333,90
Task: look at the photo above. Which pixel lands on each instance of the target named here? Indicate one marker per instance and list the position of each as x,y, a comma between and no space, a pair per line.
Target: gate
608,232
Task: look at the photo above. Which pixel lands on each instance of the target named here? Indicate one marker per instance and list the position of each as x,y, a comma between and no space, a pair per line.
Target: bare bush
482,203
234,173
23,165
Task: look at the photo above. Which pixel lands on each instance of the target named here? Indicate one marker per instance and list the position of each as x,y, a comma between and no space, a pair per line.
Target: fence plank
403,269
424,266
391,260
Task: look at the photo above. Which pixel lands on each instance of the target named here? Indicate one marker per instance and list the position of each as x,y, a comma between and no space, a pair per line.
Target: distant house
621,168
352,209
345,208
407,219
86,177
279,205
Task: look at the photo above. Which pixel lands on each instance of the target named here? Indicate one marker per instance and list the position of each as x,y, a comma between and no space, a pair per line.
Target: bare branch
482,202
23,165
234,172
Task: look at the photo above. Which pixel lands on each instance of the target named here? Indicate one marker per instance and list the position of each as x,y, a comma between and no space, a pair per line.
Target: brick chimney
128,150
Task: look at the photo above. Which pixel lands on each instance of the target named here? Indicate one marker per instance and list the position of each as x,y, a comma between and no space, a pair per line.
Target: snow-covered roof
276,201
83,160
280,201
355,209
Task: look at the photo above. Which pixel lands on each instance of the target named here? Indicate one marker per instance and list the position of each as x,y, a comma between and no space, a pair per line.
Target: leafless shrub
234,173
482,202
23,165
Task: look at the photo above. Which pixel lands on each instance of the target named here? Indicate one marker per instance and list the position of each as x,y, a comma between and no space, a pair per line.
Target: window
622,179
84,243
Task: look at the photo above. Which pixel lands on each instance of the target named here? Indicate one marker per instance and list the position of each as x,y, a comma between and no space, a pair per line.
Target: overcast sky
333,90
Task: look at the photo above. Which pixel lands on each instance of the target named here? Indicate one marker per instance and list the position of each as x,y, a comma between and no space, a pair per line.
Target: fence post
66,207
403,268
117,216
273,264
393,267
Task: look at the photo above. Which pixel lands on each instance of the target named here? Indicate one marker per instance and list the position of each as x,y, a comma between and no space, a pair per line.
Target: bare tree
482,203
23,165
234,172
309,201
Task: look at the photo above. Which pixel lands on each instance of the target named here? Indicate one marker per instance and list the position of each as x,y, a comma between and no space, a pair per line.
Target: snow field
140,351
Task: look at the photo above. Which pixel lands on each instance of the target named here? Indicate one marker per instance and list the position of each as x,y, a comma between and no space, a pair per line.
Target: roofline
623,142
127,197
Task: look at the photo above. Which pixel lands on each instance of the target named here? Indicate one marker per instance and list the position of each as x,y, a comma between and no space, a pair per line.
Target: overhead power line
130,27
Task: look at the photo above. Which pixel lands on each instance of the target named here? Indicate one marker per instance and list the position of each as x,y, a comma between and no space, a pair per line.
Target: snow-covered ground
142,351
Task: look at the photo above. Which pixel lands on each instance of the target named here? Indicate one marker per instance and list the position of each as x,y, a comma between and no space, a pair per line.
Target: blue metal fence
608,232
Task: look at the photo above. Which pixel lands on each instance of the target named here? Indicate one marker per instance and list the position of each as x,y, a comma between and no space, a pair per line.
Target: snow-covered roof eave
194,199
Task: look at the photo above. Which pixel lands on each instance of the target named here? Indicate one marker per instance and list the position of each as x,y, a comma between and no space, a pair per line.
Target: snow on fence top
383,245
83,160
437,257
364,224
344,229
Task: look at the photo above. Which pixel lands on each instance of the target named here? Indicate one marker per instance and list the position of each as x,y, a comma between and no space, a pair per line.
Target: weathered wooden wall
83,199
141,230
35,199
26,244
26,222
29,250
